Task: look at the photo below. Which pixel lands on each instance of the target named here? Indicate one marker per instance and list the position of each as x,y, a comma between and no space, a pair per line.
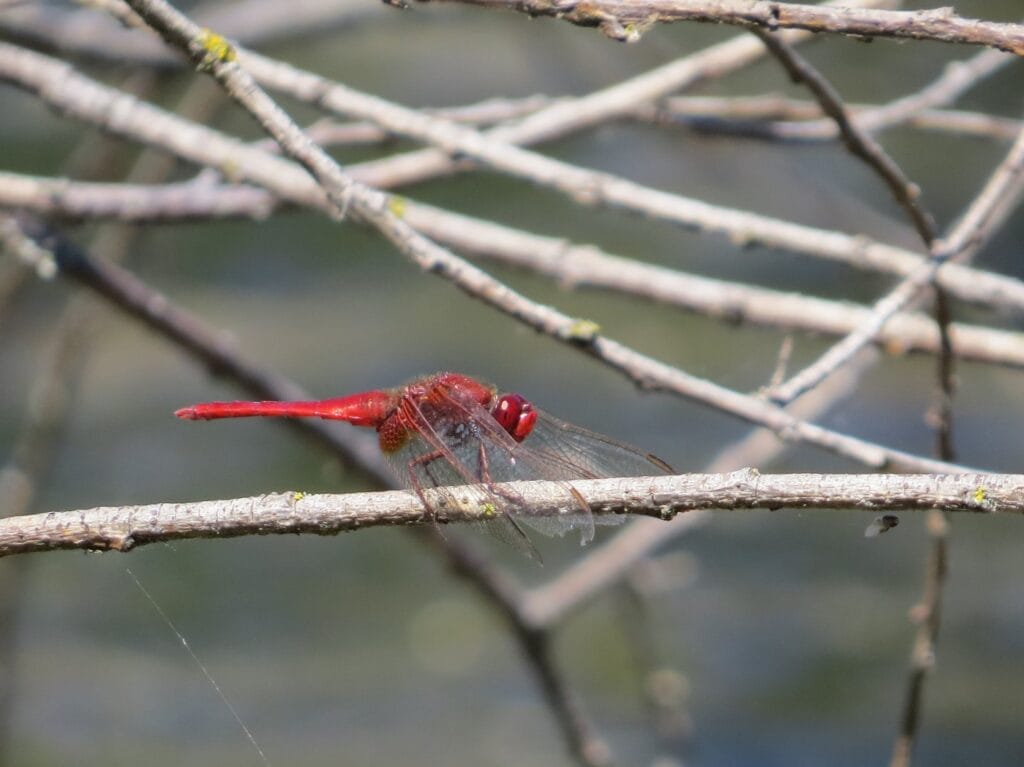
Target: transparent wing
583,454
446,450
558,450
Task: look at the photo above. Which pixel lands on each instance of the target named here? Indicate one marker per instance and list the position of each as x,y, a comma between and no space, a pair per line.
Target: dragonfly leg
503,526
484,465
425,461
485,476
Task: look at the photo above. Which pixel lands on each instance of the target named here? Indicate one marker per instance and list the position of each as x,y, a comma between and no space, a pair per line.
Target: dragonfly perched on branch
447,429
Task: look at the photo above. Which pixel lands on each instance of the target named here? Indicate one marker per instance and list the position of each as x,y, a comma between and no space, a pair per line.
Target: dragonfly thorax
515,414
393,433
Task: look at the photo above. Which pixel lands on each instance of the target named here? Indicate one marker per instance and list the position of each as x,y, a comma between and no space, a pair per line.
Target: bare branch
957,78
572,265
1001,193
122,528
627,20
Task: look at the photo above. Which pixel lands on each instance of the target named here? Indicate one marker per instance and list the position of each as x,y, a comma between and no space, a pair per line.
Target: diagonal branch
856,138
138,300
570,264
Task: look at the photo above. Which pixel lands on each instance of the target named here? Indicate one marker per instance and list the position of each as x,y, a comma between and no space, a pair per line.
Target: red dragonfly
448,429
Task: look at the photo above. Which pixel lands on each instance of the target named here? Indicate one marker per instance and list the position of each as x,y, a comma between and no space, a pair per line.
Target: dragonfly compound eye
515,414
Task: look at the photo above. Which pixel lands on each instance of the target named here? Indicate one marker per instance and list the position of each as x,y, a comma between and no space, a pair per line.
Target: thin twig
857,140
919,109
775,118
1000,195
906,194
927,614
916,109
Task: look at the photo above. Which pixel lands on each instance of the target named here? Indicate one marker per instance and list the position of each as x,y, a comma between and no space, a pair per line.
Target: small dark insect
882,524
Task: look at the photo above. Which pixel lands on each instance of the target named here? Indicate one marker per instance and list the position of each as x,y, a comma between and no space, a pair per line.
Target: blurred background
784,635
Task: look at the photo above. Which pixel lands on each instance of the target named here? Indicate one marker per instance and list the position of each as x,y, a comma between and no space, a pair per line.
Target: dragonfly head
515,414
